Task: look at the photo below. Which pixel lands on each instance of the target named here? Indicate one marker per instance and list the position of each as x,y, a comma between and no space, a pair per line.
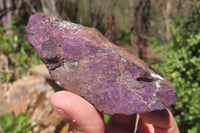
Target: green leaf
6,121
106,118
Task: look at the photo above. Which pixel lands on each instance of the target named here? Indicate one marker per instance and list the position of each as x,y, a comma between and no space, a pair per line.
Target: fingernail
62,112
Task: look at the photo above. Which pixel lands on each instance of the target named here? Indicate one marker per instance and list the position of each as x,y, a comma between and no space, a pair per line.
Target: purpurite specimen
84,62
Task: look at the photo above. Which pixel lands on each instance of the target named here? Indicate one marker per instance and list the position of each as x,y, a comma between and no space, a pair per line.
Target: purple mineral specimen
82,61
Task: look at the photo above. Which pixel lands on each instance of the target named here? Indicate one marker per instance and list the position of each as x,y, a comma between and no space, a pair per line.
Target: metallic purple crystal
87,64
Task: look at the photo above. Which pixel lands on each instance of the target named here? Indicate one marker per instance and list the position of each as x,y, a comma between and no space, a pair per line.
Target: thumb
83,116
161,121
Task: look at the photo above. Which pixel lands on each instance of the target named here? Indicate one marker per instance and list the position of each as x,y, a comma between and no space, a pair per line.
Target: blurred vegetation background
166,34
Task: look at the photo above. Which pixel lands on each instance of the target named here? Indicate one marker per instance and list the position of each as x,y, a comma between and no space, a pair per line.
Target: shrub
18,124
16,47
181,65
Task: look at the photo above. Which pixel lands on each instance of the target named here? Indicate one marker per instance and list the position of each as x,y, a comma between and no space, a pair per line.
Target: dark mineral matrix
83,61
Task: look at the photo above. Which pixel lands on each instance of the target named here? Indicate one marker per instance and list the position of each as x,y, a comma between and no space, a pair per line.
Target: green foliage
17,48
4,77
5,42
106,118
125,37
16,42
181,65
18,124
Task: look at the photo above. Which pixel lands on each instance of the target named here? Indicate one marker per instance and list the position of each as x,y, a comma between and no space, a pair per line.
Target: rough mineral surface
84,62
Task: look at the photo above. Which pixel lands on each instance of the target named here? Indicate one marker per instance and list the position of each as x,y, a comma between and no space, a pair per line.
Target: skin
85,118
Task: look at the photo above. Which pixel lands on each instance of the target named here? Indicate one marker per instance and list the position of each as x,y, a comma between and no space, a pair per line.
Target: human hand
84,117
